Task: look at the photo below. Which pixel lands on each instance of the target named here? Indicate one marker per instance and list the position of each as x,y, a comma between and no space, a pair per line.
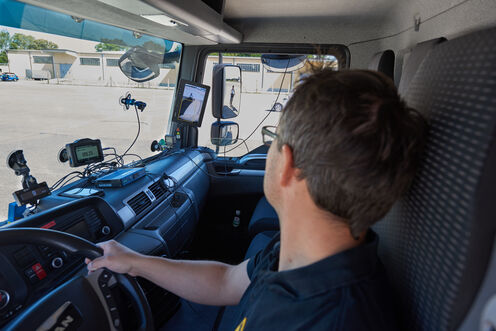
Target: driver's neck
309,234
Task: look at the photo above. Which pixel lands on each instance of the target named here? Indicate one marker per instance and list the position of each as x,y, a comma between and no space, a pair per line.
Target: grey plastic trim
209,24
251,157
248,172
126,214
181,173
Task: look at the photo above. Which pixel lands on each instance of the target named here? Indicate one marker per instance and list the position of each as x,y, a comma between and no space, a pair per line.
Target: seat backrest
437,240
415,58
383,62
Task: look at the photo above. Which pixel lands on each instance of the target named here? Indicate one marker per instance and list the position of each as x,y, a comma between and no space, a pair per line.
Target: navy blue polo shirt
346,291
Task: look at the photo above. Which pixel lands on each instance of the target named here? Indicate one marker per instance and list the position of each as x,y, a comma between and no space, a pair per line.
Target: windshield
65,84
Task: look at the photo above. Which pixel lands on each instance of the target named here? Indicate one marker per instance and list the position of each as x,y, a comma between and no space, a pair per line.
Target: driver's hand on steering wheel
116,257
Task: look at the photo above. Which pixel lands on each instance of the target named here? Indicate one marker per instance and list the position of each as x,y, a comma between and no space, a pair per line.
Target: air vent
94,222
78,218
157,189
139,203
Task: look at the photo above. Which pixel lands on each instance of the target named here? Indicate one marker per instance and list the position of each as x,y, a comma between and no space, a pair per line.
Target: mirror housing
224,133
142,65
226,91
283,62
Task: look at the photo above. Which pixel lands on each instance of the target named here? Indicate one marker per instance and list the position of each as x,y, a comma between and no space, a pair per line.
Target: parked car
9,76
278,106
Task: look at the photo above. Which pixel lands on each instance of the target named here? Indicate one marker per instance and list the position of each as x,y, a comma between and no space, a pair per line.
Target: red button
49,225
39,271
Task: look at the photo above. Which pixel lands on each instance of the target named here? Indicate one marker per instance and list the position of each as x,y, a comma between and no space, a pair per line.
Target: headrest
383,62
417,55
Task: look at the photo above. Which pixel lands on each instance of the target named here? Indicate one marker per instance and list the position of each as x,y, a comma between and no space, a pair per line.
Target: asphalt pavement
41,118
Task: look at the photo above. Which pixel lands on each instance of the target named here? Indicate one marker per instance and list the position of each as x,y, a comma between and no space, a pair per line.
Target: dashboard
155,215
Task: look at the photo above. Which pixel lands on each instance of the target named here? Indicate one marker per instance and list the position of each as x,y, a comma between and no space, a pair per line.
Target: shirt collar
335,271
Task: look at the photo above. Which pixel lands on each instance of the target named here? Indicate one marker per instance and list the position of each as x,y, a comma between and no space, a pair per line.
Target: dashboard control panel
162,206
28,270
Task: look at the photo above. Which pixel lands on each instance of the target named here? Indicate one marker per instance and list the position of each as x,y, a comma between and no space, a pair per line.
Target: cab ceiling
272,21
245,9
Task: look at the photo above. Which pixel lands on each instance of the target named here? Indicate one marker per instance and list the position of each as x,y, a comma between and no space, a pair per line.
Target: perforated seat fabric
417,55
383,62
437,240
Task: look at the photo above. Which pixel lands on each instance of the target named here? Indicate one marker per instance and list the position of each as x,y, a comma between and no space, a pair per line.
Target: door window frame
340,52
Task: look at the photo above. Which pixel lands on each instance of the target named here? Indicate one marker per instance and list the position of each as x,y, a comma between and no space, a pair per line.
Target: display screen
86,152
191,100
79,229
192,103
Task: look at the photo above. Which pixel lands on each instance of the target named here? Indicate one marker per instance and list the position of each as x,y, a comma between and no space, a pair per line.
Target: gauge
4,299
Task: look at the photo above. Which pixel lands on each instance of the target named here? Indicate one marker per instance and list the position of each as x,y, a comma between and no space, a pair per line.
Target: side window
264,94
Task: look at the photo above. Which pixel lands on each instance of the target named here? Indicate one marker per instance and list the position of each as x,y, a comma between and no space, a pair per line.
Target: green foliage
3,57
4,40
22,41
43,44
108,47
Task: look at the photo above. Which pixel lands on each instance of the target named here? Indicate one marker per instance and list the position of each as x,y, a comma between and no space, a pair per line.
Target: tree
44,44
108,47
4,40
4,44
3,57
22,41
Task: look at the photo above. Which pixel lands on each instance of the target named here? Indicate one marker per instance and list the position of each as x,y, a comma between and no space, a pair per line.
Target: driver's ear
287,170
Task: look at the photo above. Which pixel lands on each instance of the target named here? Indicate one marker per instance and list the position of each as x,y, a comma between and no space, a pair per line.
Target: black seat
414,60
437,241
383,62
264,218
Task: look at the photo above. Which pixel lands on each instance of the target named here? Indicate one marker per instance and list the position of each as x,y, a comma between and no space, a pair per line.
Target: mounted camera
31,191
126,101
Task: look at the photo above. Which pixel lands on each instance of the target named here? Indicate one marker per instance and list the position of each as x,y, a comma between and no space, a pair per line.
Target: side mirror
224,133
226,91
283,62
142,65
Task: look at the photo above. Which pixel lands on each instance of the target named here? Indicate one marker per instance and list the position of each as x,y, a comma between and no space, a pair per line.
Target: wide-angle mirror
224,133
142,65
283,62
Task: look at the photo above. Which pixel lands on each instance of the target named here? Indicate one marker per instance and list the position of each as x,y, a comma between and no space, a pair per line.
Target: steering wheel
85,301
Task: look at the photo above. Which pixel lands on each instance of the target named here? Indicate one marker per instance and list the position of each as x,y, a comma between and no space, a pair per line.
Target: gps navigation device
84,151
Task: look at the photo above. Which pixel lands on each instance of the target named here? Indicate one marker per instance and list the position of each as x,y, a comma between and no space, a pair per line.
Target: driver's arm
204,282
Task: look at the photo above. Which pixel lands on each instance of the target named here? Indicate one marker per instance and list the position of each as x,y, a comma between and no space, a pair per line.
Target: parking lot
41,118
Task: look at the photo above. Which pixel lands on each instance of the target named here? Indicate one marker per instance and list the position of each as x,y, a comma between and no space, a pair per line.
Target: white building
74,67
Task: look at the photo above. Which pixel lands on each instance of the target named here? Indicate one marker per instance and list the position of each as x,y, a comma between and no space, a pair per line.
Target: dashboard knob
57,263
4,299
106,230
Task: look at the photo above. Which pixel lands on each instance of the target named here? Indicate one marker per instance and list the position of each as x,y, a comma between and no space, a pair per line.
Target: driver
345,150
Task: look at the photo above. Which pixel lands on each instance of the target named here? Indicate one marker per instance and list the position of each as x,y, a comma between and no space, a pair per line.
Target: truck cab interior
193,199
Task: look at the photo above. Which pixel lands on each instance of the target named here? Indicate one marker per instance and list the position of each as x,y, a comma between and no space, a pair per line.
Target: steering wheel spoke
86,301
75,304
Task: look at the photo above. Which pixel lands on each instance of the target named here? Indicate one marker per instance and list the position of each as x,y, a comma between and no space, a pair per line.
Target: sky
73,44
